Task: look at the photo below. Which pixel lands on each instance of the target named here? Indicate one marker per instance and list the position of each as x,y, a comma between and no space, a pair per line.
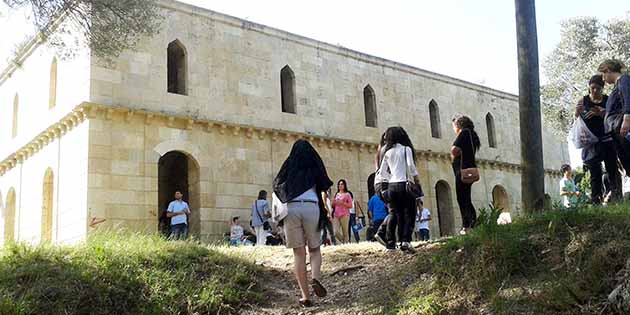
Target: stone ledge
89,111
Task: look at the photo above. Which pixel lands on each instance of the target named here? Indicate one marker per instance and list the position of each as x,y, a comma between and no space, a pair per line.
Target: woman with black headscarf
299,186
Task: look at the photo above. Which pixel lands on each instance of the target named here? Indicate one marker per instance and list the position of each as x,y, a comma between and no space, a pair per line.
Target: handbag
266,225
468,175
413,189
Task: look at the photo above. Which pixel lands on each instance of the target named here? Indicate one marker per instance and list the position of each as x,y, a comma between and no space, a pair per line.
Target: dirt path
368,287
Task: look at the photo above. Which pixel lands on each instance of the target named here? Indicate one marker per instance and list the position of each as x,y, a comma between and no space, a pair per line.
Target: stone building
212,106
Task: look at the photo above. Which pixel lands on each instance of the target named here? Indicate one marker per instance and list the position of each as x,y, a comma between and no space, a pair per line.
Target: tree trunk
533,175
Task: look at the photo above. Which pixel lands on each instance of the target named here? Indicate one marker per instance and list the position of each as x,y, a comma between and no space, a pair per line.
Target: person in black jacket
463,152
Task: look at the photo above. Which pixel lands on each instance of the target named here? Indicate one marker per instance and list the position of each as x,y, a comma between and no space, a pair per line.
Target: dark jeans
328,228
179,232
605,153
353,221
622,146
466,207
424,234
402,214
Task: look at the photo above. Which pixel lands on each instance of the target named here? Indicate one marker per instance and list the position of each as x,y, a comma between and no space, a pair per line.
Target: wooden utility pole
533,176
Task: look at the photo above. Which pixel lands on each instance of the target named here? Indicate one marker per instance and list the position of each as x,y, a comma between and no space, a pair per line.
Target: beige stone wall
66,158
234,164
234,76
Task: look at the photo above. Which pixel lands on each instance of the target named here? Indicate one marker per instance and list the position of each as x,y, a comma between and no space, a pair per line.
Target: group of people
604,136
303,207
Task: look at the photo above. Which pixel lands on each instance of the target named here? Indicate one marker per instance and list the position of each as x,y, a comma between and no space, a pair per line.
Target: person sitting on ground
298,192
423,217
178,211
568,190
237,234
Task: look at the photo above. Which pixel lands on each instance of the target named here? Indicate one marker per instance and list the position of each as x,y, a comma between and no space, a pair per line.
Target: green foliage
107,27
557,262
585,42
123,274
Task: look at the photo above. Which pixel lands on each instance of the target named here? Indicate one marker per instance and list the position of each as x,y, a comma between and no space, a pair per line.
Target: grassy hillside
560,262
124,274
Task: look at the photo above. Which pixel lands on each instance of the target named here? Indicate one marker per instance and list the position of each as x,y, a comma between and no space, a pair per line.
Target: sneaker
380,240
406,247
462,231
390,248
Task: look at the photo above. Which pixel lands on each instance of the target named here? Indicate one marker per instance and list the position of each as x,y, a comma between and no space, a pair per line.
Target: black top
465,144
595,124
301,171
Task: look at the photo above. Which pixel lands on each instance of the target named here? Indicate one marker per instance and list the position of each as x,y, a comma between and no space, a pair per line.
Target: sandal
318,288
305,303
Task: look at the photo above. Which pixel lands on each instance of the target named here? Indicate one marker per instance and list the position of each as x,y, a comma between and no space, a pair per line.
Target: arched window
9,217
47,206
52,93
14,130
177,68
492,138
434,117
287,89
369,100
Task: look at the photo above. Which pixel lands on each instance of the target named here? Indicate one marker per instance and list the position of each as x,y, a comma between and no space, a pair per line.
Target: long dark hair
394,135
345,184
262,195
465,123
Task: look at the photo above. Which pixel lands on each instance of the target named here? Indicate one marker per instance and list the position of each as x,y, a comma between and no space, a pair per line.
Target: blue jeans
353,221
179,232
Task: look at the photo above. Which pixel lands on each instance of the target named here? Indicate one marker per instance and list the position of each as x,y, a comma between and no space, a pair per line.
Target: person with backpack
260,218
592,108
298,192
463,152
617,119
398,169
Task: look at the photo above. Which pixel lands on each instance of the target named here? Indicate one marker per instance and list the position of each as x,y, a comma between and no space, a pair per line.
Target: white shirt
394,168
353,210
178,206
236,232
425,215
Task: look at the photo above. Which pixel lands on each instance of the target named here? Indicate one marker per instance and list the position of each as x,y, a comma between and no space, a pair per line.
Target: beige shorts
300,225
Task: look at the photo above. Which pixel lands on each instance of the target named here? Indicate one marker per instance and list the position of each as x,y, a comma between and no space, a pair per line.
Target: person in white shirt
178,211
422,222
568,189
397,168
237,233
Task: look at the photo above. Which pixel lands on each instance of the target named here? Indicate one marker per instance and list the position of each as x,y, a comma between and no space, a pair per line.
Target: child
568,190
423,216
237,233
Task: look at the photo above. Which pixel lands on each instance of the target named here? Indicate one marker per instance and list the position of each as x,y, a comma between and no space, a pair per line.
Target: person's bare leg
299,262
315,257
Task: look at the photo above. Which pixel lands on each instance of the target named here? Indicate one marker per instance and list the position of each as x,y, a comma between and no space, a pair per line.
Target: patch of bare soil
360,279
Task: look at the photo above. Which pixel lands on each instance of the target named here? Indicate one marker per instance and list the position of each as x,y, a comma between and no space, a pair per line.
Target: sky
472,40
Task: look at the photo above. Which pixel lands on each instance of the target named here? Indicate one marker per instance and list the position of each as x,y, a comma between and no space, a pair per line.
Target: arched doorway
178,171
9,217
500,198
47,206
444,207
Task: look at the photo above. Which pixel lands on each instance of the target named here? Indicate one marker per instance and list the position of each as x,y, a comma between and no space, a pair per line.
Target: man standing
377,211
618,108
178,212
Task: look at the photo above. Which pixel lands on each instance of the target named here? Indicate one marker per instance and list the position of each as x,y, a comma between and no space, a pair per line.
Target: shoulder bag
266,225
413,189
468,175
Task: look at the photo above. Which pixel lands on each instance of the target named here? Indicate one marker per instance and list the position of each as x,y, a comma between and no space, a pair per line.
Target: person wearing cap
592,109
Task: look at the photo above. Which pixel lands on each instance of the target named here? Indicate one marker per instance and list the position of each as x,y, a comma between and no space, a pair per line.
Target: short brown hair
611,65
